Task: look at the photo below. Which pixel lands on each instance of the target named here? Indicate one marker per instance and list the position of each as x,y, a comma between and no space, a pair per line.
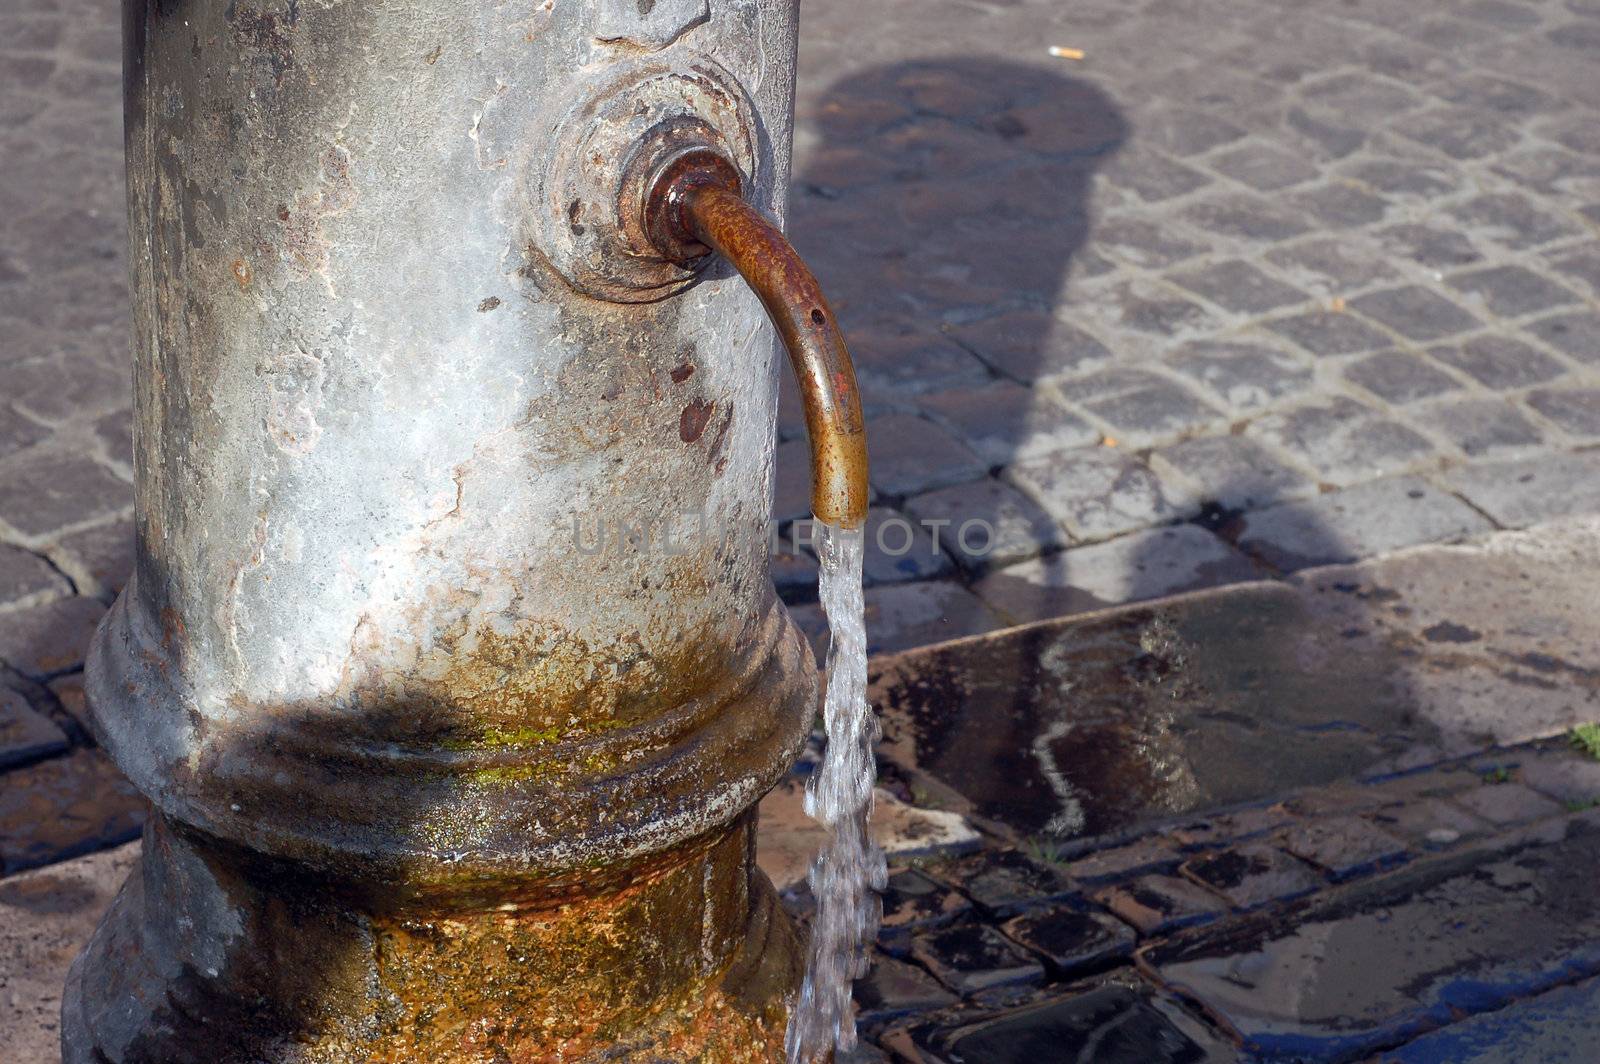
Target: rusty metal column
451,664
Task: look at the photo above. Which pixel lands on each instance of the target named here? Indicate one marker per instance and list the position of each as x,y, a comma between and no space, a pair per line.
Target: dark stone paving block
904,616
899,548
1431,823
794,573
1399,378
892,364
1582,265
1003,882
1484,92
1149,854
1459,132
1143,565
912,900
1415,313
1360,522
1184,131
1344,441
1499,362
1500,13
1407,177
1139,405
1106,1025
24,575
42,641
1252,875
1330,140
18,432
1156,311
1157,904
1004,422
62,487
1247,217
65,806
1507,804
1524,491
1097,493
1333,264
1556,1027
1244,376
1379,963
1263,166
1511,219
1341,206
986,524
1360,96
1072,938
1576,334
911,454
1326,333
1512,291
1576,411
1240,287
1345,846
970,957
1028,345
100,559
1151,175
1480,427
25,735
892,989
1440,249
1145,244
1237,826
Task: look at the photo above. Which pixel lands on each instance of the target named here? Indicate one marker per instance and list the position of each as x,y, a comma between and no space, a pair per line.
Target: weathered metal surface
451,591
696,203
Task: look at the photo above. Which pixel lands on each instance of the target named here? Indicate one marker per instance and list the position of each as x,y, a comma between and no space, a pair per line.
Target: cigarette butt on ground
1066,53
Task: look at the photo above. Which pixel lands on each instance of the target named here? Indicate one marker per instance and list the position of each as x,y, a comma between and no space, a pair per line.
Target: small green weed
1586,737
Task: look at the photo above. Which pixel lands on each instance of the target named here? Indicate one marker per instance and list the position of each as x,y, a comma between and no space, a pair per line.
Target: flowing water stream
849,869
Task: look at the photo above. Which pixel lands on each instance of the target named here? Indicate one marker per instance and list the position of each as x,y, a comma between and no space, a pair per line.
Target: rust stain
241,273
682,373
694,419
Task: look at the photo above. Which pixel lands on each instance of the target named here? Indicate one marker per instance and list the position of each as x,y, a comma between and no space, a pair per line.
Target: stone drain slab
1092,725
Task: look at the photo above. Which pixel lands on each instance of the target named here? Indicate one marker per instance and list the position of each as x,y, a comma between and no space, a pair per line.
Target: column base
215,956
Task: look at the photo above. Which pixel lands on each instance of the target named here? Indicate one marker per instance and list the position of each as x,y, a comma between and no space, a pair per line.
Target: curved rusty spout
695,207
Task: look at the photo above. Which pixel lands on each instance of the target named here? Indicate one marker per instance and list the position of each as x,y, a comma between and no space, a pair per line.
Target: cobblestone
1513,291
1139,406
1576,335
1252,875
1415,313
1399,378
1480,427
1097,493
911,454
1500,363
1246,377
1324,333
987,524
25,735
1005,422
1239,287
1520,492
1345,442
1144,565
45,640
1576,411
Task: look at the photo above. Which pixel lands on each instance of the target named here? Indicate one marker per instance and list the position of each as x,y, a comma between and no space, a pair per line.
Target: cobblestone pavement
1255,288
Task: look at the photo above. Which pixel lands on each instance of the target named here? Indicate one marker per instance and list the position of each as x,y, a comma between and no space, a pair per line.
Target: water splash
849,868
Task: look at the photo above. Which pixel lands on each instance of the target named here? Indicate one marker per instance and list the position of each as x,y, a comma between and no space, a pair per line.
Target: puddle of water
849,868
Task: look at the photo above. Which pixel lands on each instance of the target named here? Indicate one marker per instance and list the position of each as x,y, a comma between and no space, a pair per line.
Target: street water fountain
417,287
